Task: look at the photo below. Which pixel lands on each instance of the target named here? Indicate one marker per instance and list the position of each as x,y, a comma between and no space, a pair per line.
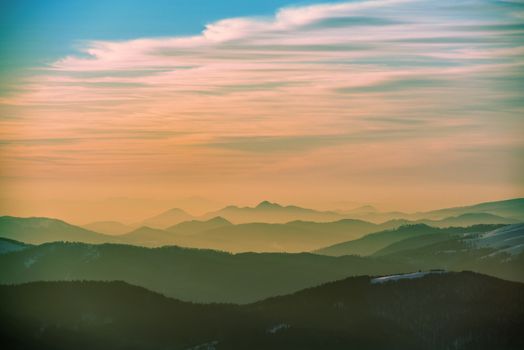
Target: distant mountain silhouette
215,233
166,219
499,212
218,233
463,220
433,311
108,227
147,236
511,208
41,230
470,219
197,226
295,236
506,211
268,212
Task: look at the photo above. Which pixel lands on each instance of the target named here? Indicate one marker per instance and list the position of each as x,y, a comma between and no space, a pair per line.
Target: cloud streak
332,83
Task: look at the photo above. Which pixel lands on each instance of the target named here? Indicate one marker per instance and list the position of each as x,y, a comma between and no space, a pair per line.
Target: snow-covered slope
404,276
509,239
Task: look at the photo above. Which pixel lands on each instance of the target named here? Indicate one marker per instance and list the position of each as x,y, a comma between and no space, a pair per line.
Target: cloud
397,85
370,78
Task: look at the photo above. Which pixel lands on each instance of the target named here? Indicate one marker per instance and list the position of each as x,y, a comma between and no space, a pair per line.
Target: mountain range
258,271
374,242
213,276
216,233
499,212
435,310
187,274
512,209
220,233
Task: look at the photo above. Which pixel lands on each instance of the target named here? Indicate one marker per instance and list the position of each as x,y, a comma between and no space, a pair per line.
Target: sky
118,109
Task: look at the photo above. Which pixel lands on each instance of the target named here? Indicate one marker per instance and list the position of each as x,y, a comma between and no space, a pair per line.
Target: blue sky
35,32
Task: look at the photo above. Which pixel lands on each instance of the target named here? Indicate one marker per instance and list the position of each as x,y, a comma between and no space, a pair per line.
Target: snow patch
404,276
277,328
508,239
206,346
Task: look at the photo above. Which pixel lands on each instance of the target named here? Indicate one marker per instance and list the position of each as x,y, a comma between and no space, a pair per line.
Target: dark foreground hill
436,311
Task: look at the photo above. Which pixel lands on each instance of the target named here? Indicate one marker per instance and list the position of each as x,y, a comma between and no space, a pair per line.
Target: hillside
148,237
187,274
108,227
351,313
499,212
10,245
499,252
511,208
295,236
374,242
166,219
213,276
470,219
41,230
496,212
215,233
197,226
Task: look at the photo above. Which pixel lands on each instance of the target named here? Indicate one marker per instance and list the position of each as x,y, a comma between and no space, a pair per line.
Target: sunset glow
403,104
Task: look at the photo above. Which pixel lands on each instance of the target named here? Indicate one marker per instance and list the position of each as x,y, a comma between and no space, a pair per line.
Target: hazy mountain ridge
187,274
510,209
216,233
197,226
497,252
498,212
207,275
507,240
376,241
108,227
10,245
351,313
266,237
268,212
219,233
168,218
37,230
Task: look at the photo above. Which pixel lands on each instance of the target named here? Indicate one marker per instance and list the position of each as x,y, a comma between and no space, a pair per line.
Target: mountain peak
145,229
175,211
268,204
219,219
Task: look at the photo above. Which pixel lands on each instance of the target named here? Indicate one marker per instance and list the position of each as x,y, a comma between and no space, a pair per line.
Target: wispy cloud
310,81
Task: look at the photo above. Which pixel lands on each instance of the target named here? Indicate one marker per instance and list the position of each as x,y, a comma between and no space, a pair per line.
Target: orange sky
326,106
